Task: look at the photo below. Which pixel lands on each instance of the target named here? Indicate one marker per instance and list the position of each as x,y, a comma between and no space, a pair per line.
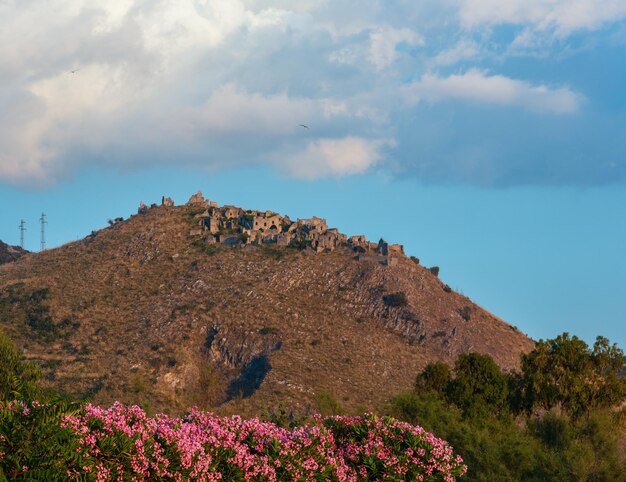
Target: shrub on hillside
465,312
395,300
547,448
327,404
205,247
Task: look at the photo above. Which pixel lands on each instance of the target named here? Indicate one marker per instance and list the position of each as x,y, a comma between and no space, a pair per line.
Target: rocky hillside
147,311
10,253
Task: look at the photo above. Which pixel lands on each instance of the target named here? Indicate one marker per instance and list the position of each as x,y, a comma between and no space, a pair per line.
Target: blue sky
489,137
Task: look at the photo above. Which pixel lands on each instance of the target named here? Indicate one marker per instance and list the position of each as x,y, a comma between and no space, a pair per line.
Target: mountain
10,253
238,311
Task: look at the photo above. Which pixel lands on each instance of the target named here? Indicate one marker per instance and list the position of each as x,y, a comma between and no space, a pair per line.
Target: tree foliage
479,384
529,426
564,372
18,378
435,377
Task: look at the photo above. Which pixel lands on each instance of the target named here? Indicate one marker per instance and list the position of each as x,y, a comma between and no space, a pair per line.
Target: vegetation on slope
57,440
10,253
561,418
505,426
141,312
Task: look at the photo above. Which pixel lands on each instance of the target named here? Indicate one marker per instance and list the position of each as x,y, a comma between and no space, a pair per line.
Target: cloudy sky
488,136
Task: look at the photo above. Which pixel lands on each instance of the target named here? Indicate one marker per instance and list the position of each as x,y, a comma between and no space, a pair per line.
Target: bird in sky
302,125
74,71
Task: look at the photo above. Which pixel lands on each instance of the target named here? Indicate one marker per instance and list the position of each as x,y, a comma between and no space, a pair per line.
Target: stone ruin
198,200
234,226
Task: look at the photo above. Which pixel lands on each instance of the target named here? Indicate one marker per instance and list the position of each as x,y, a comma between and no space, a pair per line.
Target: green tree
564,372
609,388
436,377
18,378
473,413
479,385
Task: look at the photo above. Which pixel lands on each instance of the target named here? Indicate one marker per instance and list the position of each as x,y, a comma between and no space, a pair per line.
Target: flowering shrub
384,448
33,445
122,443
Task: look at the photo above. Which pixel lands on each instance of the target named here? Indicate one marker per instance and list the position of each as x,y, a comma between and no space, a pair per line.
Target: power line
22,229
43,222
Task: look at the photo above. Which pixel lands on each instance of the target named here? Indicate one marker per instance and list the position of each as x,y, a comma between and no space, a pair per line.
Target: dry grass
154,319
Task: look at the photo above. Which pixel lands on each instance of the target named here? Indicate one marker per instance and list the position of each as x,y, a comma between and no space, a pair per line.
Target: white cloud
561,16
220,83
332,157
229,111
208,81
384,41
477,86
463,50
174,26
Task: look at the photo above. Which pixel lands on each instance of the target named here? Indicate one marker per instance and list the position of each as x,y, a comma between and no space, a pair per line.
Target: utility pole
22,229
43,222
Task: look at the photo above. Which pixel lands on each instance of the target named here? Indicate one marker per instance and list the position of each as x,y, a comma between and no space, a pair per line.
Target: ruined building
234,226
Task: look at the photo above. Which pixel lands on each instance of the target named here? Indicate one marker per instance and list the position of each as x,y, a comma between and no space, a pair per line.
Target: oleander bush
61,441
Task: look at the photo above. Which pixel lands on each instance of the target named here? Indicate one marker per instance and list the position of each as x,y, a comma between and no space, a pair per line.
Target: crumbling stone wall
233,226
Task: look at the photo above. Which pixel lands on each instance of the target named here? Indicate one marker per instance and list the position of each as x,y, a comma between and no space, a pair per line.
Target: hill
202,304
10,253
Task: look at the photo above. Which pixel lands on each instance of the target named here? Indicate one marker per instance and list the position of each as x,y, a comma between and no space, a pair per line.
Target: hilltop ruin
234,226
147,311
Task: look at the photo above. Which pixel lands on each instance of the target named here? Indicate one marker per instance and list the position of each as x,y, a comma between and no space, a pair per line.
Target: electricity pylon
43,222
22,229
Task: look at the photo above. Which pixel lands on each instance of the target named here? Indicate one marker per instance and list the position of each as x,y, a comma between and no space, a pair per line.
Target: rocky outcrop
10,253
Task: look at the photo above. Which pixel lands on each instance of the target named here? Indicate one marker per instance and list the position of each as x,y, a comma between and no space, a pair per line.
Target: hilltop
238,310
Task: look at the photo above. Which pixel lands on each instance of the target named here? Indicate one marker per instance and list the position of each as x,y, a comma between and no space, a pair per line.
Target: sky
487,136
